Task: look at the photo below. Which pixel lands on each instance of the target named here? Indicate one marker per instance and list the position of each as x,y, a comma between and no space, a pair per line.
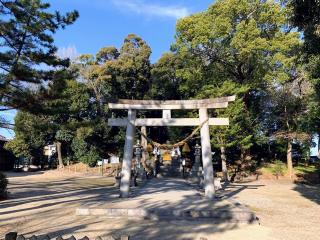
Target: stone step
236,216
170,171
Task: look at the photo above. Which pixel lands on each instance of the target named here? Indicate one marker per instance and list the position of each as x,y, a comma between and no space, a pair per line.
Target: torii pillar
206,155
144,144
128,154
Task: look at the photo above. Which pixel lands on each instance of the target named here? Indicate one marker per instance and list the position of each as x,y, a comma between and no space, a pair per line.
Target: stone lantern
138,168
138,154
197,157
196,171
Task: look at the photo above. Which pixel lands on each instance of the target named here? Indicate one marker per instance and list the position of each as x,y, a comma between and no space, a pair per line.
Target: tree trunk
224,164
58,144
289,159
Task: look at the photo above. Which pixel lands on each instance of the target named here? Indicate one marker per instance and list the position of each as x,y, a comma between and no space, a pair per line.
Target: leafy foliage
3,185
26,41
84,153
18,147
243,48
278,168
305,16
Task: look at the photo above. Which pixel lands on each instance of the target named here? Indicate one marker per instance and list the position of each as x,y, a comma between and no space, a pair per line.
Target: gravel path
290,211
46,202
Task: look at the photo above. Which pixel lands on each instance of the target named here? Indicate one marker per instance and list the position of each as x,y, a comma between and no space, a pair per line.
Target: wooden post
224,163
144,144
127,156
206,155
289,159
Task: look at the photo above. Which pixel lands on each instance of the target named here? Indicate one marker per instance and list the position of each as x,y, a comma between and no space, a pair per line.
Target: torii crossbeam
166,106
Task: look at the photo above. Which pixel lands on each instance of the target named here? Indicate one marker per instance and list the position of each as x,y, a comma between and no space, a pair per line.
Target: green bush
79,147
84,153
3,186
91,157
278,168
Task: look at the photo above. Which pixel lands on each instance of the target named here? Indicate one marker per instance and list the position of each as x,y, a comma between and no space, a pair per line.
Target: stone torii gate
166,106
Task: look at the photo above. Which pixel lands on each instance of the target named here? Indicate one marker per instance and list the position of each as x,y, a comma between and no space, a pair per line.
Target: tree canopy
28,58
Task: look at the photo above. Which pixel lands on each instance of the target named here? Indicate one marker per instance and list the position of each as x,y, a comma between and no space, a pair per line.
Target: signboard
114,159
49,150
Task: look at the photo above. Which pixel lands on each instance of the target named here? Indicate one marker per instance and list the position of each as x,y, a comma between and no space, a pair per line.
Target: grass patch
269,168
303,169
276,169
95,182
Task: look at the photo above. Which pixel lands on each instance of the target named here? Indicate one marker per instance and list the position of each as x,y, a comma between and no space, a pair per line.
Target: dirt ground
46,202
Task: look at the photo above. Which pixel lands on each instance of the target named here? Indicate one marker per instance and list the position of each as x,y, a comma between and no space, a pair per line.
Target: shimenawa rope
170,146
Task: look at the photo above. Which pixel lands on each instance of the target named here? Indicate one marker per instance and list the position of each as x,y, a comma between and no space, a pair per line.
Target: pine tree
28,58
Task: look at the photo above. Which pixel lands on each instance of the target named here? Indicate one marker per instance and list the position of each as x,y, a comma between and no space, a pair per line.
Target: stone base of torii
166,106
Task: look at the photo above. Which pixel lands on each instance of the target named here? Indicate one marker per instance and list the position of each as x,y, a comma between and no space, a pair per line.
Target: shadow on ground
311,192
48,206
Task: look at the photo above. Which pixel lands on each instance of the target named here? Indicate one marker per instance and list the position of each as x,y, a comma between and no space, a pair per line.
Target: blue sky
108,22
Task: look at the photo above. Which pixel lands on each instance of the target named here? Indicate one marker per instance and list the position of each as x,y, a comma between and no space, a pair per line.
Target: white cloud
141,7
68,52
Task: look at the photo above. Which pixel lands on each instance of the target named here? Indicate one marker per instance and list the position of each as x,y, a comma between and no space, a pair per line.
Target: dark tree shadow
52,198
311,192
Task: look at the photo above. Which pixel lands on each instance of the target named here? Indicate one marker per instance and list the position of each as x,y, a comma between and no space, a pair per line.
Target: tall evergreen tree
247,42
306,16
28,58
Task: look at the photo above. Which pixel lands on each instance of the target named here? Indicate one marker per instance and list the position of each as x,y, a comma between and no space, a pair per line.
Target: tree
67,109
250,43
133,66
62,136
312,123
18,147
234,134
305,16
287,113
31,134
165,82
248,40
83,151
112,74
28,56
